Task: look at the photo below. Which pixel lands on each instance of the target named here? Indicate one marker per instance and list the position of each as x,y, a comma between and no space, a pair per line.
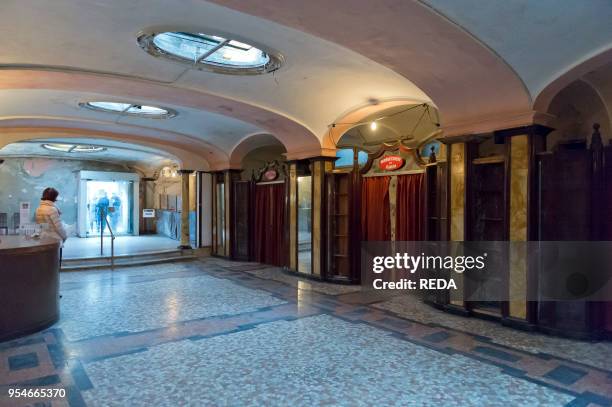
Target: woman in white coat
48,214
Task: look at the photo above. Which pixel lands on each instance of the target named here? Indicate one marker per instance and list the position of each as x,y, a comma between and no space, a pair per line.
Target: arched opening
381,187
106,189
575,193
257,202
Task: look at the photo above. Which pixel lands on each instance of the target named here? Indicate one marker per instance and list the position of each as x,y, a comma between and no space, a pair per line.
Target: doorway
111,199
112,193
269,222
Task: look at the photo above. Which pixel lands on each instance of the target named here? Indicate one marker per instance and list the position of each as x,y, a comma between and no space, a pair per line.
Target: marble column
523,144
185,243
519,181
457,170
292,211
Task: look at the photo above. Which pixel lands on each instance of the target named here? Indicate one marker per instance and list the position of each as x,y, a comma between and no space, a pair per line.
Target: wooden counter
29,285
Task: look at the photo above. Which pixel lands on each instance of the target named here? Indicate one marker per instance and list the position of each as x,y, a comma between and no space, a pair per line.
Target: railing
103,224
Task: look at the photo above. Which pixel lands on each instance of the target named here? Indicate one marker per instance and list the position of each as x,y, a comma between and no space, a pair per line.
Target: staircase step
124,260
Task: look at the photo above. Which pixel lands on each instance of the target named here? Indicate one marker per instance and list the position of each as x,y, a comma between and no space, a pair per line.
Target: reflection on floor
305,261
213,332
77,247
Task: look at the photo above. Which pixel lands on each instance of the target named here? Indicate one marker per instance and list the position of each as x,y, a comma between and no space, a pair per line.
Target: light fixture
130,109
373,126
211,52
73,148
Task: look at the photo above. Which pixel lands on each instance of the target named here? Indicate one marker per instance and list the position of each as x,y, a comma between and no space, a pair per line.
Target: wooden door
241,222
487,216
564,208
339,226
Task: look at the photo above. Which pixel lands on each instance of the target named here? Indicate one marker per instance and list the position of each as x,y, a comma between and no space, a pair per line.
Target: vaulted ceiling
480,65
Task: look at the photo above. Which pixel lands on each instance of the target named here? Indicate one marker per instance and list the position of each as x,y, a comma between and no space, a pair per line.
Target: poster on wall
24,212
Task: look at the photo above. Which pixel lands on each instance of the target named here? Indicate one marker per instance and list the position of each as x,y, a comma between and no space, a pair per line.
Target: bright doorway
110,198
112,193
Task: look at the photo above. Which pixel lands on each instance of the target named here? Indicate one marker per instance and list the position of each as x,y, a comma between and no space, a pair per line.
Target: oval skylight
131,109
73,148
210,52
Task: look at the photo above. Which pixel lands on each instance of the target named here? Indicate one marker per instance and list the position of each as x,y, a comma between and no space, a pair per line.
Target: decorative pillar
320,165
523,145
517,221
185,243
147,194
457,171
292,216
227,181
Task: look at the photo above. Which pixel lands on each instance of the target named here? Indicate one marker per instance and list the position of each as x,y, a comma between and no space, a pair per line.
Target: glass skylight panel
229,55
116,107
132,109
87,149
217,53
64,148
147,110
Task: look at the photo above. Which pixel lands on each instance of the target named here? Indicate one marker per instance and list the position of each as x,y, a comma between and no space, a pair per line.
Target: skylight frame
73,148
217,43
168,113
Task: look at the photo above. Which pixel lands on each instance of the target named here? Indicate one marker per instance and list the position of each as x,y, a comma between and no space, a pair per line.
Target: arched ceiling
318,80
196,128
539,39
145,159
462,76
479,64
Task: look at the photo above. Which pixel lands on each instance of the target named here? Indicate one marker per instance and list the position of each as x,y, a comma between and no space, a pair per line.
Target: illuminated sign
148,213
391,163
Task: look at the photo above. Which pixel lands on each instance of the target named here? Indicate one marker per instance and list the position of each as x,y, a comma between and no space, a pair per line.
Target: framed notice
24,212
148,213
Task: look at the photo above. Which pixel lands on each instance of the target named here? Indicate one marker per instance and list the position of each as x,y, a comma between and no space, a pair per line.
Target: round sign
270,175
391,163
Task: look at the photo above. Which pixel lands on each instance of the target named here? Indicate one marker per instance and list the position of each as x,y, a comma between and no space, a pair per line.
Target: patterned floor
213,332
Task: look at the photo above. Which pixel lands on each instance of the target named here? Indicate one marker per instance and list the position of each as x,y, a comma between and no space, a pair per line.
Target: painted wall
24,179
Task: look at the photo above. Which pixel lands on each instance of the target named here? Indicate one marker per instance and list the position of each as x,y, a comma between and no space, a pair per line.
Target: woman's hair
50,194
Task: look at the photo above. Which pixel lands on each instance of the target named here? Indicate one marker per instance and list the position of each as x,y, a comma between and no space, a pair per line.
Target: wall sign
270,175
24,212
391,163
148,213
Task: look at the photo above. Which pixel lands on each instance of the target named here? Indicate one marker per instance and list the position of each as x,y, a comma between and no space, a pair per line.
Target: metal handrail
105,222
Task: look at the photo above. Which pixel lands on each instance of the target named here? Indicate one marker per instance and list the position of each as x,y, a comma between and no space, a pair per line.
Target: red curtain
375,217
410,208
268,242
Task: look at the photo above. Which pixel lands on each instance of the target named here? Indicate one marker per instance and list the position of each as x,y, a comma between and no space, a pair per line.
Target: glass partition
304,221
220,204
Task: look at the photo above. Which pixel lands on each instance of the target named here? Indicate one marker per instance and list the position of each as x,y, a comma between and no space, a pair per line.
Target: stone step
124,260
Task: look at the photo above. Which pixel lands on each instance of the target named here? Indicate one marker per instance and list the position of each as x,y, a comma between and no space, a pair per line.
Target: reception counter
29,285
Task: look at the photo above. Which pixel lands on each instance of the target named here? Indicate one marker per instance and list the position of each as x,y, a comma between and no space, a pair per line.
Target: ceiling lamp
373,126
210,52
131,109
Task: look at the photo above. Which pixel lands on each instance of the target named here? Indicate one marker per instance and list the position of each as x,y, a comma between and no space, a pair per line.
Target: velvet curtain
269,245
410,208
375,217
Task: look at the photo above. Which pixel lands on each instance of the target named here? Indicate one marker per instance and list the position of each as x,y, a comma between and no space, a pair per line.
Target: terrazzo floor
213,332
